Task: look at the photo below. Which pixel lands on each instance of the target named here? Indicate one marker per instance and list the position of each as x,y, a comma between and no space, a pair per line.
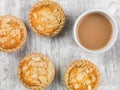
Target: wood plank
62,49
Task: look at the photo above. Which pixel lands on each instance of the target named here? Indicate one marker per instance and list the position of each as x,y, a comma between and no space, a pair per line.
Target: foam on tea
94,31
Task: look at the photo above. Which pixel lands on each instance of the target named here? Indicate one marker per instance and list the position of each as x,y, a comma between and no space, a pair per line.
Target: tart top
82,75
12,33
36,71
46,18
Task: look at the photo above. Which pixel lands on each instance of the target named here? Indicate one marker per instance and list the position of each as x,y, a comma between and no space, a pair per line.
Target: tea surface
95,31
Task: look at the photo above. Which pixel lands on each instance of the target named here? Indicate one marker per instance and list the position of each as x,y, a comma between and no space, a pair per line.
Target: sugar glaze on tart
36,71
47,18
12,33
82,75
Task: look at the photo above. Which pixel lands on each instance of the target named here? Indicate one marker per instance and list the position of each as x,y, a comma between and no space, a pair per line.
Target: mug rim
114,31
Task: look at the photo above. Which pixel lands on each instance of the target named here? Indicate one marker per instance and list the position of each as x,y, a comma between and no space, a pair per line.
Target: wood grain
62,49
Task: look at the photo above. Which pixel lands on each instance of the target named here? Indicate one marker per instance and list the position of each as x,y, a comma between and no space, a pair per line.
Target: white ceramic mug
114,33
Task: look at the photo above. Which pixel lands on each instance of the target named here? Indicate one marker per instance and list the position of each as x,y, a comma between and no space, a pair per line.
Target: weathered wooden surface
61,49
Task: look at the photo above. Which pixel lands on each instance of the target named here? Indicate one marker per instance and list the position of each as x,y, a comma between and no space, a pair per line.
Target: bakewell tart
13,33
36,71
82,75
47,18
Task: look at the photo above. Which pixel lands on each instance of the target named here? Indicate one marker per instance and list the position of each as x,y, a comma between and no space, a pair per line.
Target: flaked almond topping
52,18
87,82
49,72
27,73
19,36
12,41
48,15
42,64
43,79
3,40
49,65
71,75
76,86
88,71
25,68
36,58
56,22
73,80
55,10
35,15
3,32
42,71
30,63
80,76
35,70
89,87
34,76
43,19
6,26
37,82
6,20
14,33
45,14
39,27
93,78
37,64
50,26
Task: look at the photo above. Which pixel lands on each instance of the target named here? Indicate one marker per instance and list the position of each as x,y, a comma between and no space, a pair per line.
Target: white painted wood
61,49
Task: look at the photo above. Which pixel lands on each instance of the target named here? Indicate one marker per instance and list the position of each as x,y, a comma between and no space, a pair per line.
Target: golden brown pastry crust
79,63
13,33
51,18
32,64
